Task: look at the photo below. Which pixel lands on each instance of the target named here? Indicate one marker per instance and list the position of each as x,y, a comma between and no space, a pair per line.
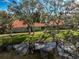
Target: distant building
20,23
20,26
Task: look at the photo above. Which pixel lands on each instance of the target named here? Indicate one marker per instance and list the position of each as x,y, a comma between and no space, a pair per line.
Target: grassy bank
19,37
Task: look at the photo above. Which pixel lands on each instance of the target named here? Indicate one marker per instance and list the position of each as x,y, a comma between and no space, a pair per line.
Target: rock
69,47
50,46
43,54
46,46
77,44
66,49
21,48
39,46
9,47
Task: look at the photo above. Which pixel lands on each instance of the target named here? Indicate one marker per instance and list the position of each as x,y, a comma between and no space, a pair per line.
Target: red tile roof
61,22
20,23
39,24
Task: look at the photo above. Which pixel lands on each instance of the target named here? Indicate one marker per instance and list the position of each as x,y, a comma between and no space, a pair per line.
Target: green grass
62,33
38,35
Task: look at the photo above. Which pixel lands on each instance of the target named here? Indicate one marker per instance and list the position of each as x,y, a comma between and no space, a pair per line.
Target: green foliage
62,34
12,40
18,38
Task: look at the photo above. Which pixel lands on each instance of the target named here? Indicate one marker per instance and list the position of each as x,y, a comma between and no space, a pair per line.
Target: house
20,26
56,23
20,23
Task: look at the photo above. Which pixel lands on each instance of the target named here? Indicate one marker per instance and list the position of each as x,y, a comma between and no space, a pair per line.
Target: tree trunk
30,29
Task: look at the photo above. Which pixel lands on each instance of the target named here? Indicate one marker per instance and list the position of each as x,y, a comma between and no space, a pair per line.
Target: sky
5,3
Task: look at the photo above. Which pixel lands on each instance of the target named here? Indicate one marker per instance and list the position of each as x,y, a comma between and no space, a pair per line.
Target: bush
18,38
12,40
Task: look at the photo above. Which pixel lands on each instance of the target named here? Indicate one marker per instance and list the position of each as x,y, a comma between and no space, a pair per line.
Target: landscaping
39,29
37,36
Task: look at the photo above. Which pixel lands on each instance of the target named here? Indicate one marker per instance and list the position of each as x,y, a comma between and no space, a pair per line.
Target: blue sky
5,3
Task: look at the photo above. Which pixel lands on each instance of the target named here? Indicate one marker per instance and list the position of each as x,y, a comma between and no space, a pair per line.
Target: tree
4,21
34,10
22,12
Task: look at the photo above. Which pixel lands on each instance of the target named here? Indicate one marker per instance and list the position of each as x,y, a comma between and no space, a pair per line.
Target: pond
12,55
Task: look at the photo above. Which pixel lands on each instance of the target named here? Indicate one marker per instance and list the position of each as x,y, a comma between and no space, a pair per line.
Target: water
12,55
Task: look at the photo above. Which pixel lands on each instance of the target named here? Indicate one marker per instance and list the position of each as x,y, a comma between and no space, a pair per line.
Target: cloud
77,1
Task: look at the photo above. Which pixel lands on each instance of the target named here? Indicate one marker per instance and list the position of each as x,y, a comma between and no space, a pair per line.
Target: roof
20,23
36,24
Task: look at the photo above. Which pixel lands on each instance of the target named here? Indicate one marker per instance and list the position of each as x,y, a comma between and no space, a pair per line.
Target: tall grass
37,36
